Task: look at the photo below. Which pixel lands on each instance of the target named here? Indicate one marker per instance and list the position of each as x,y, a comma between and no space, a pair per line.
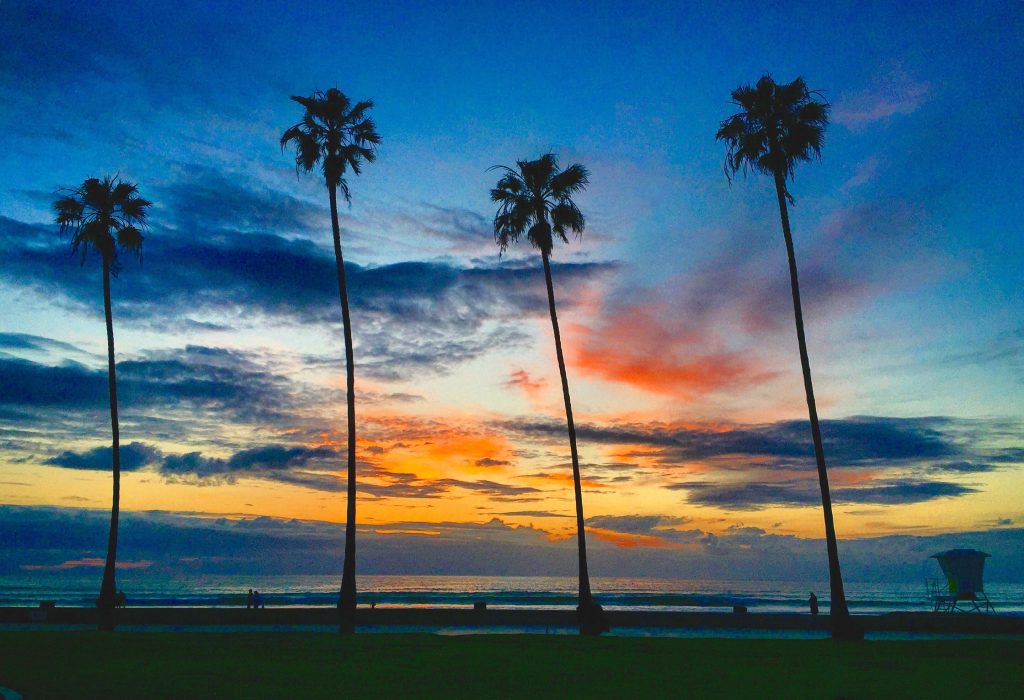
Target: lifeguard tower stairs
963,589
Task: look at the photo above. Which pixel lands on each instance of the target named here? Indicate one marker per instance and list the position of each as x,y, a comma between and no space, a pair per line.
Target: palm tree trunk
347,596
108,589
838,609
586,608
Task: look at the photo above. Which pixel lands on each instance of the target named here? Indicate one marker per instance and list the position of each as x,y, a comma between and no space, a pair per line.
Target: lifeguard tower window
964,590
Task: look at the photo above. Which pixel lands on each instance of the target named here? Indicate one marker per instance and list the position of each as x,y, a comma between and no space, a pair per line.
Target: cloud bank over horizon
52,540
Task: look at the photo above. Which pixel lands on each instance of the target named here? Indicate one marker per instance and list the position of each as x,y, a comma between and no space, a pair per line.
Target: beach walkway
523,620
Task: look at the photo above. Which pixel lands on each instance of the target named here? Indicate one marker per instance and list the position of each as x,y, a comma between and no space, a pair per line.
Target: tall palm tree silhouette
535,200
106,216
339,136
777,126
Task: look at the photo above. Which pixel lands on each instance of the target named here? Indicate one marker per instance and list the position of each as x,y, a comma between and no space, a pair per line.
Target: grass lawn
305,665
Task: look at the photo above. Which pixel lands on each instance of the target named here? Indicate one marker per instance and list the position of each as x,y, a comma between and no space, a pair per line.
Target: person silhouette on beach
813,602
249,599
257,599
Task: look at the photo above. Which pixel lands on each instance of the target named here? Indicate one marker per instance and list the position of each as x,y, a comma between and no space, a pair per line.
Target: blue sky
674,306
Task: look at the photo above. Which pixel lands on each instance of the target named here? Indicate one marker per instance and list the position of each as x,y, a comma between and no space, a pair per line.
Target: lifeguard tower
963,589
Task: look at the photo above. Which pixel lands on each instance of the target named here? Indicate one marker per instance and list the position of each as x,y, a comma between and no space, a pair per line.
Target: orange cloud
626,540
645,347
428,448
567,478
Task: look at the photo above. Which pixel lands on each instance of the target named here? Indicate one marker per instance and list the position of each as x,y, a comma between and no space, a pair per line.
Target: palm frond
133,208
540,236
566,216
573,179
129,239
121,191
342,184
69,210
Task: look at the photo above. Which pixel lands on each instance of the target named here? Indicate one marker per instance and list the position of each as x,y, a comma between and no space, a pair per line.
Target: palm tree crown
537,200
778,126
104,215
334,133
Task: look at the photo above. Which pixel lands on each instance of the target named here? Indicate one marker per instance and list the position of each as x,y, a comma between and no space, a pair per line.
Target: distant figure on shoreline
257,599
121,600
249,600
813,601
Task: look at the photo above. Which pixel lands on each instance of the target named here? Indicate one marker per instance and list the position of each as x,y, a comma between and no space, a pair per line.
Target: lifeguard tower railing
963,589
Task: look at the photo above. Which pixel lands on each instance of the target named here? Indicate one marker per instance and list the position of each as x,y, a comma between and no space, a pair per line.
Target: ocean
143,588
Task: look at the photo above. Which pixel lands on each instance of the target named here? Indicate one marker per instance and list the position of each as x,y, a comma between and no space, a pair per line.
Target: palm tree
106,215
536,200
777,126
339,136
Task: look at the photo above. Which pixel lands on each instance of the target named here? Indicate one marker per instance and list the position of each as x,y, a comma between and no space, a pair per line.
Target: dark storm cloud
212,201
856,441
805,492
412,316
269,274
28,384
194,392
491,488
196,376
134,456
265,458
297,465
533,513
287,465
407,485
24,341
310,467
750,495
903,459
896,492
964,467
633,524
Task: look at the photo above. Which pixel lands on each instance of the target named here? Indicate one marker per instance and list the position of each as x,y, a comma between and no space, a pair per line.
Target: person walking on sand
256,599
249,599
813,601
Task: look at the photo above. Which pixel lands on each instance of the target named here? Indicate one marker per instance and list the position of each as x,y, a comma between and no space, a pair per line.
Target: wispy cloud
894,93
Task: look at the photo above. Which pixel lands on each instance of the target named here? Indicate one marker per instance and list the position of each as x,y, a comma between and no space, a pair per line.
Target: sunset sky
675,306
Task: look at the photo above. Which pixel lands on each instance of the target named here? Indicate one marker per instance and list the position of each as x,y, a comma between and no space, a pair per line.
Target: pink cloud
646,346
894,94
531,386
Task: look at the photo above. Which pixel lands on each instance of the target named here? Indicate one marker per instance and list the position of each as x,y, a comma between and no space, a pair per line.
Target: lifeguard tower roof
963,569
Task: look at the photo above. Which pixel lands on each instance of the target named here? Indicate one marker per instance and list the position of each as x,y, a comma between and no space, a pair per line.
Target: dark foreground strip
938,623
